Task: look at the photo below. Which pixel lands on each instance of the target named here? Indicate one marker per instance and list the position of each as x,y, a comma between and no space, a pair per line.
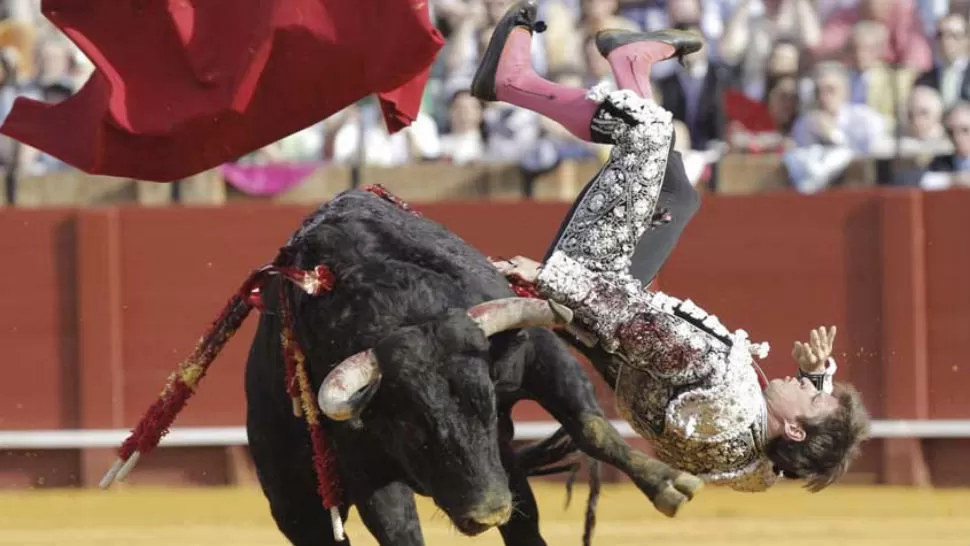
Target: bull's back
391,268
360,228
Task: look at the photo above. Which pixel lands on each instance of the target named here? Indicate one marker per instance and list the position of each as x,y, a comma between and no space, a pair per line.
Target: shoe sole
608,41
483,84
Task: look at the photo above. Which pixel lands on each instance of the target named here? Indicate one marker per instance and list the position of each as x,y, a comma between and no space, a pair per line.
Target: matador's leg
624,119
608,219
676,206
627,119
631,56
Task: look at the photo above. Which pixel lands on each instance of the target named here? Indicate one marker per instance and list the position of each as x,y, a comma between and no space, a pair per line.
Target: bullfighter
684,381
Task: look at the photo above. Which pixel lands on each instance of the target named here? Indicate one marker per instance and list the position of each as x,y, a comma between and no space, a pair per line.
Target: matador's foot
681,42
522,14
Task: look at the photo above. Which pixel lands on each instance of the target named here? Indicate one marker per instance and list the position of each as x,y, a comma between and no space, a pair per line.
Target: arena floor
847,515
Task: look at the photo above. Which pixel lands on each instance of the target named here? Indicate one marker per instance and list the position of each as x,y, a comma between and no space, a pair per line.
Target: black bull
433,414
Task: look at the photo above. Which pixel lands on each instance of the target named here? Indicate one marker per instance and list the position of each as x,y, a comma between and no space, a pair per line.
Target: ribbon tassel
183,383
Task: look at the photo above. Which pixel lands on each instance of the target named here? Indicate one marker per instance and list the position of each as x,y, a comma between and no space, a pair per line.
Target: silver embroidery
684,381
695,396
612,215
697,399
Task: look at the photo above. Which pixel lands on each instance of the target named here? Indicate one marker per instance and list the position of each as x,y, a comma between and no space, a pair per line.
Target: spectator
448,14
785,61
953,169
694,95
884,89
464,141
749,37
783,103
827,8
570,41
832,134
12,83
597,67
681,14
597,15
305,145
363,137
22,38
657,14
55,63
22,11
949,74
931,11
560,40
510,132
924,135
907,44
924,115
835,120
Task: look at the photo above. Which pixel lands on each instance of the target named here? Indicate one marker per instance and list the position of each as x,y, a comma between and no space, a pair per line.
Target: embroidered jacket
683,382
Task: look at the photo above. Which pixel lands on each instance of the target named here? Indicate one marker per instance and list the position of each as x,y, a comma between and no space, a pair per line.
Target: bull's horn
508,313
336,394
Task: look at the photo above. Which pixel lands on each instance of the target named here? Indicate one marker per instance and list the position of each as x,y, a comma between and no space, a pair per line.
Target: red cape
182,86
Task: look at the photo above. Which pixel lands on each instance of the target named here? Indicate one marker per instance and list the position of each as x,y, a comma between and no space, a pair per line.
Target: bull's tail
547,457
554,449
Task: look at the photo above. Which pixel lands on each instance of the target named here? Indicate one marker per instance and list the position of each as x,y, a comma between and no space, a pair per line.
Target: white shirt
858,127
463,148
951,81
382,149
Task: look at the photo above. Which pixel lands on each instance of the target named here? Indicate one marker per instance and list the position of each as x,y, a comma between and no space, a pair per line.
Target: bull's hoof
688,484
668,501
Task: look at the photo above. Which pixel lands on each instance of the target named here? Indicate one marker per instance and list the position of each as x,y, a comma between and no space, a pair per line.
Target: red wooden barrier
101,304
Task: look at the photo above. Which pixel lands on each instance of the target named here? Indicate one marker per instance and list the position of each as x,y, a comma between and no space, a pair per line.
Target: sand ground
847,515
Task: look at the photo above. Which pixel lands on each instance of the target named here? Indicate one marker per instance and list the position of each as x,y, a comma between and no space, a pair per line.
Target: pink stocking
631,65
517,83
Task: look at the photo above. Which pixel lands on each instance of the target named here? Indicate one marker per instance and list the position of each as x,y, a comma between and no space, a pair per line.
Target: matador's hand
811,356
528,270
523,267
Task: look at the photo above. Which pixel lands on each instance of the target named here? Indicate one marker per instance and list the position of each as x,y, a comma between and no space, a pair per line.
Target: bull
418,354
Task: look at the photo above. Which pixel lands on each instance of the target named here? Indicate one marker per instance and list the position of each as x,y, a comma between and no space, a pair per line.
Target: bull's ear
456,332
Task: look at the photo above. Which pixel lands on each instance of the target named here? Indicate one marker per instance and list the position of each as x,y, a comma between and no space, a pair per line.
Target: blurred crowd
819,82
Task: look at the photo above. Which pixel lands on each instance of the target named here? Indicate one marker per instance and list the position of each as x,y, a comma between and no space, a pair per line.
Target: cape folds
182,86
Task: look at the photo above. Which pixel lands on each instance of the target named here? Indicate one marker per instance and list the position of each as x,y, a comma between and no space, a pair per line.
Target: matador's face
790,401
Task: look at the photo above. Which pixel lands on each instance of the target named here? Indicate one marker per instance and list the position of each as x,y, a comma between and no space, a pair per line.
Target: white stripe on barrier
524,430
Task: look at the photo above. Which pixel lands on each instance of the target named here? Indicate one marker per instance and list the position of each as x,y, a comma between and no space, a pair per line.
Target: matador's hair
830,445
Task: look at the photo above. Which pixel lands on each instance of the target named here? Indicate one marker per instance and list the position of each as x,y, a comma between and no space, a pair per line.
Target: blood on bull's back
392,266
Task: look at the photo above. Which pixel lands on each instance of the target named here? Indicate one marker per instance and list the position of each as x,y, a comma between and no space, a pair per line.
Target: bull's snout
494,510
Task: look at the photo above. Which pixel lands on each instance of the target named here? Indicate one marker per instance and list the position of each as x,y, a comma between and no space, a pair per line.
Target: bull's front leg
522,529
391,515
556,380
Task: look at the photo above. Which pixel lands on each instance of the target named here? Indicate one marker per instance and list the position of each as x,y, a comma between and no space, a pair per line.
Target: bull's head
436,412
